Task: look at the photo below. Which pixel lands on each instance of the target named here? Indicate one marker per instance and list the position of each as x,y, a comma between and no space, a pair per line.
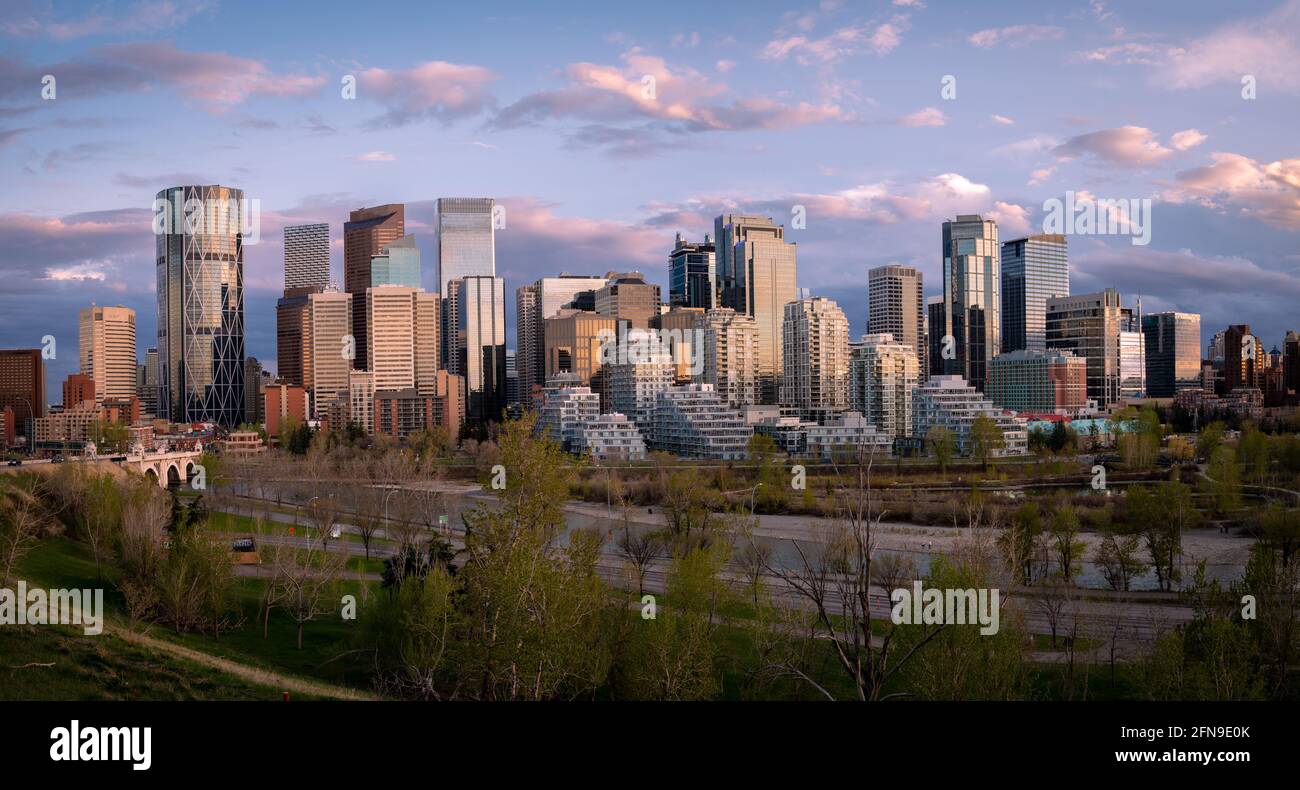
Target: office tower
512,377
147,389
293,334
693,421
934,337
1089,325
107,346
1214,349
201,307
644,368
22,383
971,296
896,306
628,297
730,364
365,234
481,353
815,335
254,389
306,256
952,403
391,349
1034,269
1291,361
1173,352
1040,381
759,272
693,274
573,340
466,240
533,305
1132,354
882,375
79,388
428,332
397,263
450,337
332,351
1243,358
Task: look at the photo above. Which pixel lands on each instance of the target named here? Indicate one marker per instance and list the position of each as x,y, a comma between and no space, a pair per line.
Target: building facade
1041,382
730,365
883,373
950,402
1173,352
971,295
896,306
306,256
365,234
815,335
1088,325
693,274
692,421
481,355
1034,269
107,348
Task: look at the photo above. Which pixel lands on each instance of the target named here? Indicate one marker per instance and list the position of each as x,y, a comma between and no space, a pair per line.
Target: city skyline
763,114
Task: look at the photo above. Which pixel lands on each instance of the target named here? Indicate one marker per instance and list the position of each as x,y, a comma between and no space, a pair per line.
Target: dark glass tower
971,296
1034,269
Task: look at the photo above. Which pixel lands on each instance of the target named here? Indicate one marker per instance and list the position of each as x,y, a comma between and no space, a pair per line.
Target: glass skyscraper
1034,269
200,266
306,256
481,335
971,296
397,264
1173,352
466,240
693,275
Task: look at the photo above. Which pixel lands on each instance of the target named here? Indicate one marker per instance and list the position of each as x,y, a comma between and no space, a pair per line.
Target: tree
986,440
308,574
1209,440
1065,541
1253,455
773,491
1224,475
943,445
1018,542
640,547
22,520
1118,557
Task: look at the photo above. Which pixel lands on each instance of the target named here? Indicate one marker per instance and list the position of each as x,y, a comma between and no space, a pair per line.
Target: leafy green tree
774,491
986,440
1209,439
1019,541
1065,541
1253,454
942,444
1119,557
1225,480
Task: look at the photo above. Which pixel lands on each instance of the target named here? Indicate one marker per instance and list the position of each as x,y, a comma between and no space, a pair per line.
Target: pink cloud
434,89
1133,146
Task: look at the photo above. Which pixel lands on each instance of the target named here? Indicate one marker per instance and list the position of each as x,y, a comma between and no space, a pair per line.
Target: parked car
15,462
58,459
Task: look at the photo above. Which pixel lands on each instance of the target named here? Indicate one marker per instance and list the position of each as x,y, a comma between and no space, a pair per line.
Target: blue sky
757,106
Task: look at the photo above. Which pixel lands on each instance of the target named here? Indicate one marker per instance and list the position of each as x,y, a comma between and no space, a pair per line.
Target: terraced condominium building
971,296
759,273
950,402
306,255
692,421
883,373
107,345
896,306
1034,269
200,268
365,234
815,334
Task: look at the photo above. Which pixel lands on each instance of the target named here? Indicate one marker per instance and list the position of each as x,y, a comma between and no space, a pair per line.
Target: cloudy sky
607,128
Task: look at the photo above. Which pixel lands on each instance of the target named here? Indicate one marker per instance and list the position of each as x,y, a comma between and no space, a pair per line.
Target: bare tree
1052,597
369,515
834,577
323,514
21,521
640,547
307,575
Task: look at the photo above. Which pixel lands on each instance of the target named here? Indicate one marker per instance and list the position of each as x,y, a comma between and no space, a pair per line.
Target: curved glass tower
200,265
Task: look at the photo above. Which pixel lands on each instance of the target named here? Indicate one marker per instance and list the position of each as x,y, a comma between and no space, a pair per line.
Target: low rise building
613,437
950,402
1041,382
693,421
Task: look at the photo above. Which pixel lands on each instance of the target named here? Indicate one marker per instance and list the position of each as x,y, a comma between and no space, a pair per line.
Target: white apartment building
567,409
361,399
844,436
951,402
815,356
731,350
883,373
642,368
613,437
693,421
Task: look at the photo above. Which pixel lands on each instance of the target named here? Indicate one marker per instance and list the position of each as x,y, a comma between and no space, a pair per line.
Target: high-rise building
815,335
79,389
391,348
332,350
1034,269
397,263
254,389
677,330
730,364
628,297
896,306
533,305
147,389
512,377
200,265
466,240
759,275
693,274
306,256
293,334
1291,362
22,383
934,333
481,355
428,332
950,402
365,234
107,346
1132,354
1089,325
1040,381
1243,359
573,340
1173,352
882,375
971,296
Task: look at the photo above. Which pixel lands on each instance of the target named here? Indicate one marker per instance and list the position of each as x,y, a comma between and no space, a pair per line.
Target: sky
606,128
